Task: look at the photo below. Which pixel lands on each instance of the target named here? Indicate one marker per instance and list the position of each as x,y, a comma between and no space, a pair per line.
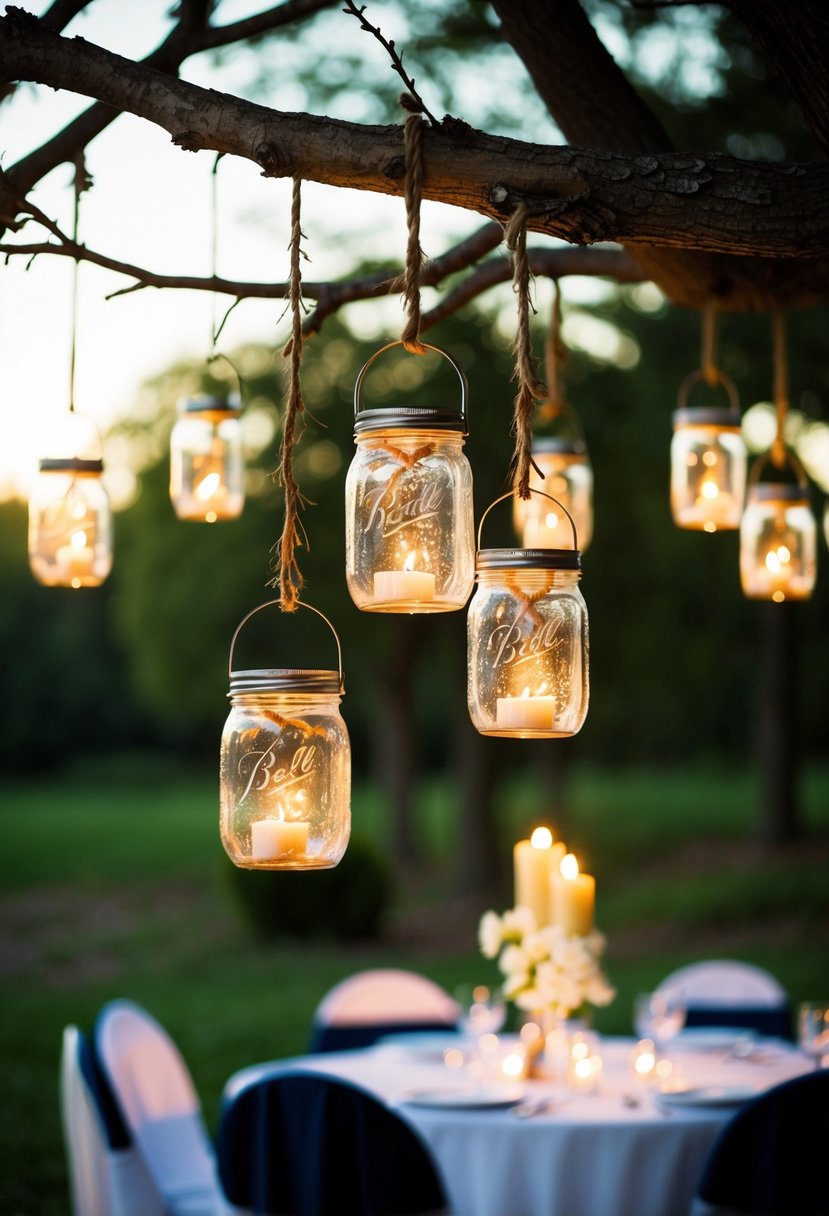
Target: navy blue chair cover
770,1159
112,1120
364,1034
307,1144
776,1022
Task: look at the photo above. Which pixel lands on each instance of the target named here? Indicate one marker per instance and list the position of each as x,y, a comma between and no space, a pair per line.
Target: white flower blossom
545,970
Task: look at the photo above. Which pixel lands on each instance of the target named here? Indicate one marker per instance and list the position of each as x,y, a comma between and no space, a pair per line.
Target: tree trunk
779,813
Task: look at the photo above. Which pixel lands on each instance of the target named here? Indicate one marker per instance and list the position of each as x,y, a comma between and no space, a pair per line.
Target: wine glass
813,1030
483,1010
659,1016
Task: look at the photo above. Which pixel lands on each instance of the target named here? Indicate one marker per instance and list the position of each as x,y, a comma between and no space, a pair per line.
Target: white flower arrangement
545,970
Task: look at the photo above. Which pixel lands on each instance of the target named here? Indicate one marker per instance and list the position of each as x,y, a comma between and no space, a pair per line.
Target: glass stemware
483,1010
813,1031
659,1016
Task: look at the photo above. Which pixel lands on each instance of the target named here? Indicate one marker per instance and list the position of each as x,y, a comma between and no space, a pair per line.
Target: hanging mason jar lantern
567,477
409,516
70,519
778,538
527,642
708,462
207,471
285,766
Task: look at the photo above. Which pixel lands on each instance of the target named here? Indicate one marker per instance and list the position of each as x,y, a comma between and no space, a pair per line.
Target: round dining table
622,1149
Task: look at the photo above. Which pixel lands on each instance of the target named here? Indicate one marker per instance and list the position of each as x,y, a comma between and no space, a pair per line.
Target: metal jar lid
782,491
527,559
209,405
707,416
408,418
70,464
559,446
285,679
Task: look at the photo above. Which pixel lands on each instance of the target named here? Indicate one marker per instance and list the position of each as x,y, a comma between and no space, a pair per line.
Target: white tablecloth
591,1155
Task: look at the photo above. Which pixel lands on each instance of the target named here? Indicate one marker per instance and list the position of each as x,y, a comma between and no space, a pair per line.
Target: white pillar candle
75,560
271,839
525,712
573,898
533,863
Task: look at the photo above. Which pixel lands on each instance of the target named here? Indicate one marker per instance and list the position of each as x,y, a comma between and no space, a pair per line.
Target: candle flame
525,693
710,489
409,563
777,558
542,838
78,540
569,866
208,486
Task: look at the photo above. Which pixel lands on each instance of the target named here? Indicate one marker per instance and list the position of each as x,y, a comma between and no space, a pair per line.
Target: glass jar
70,524
778,543
285,768
527,643
409,515
567,476
207,471
708,463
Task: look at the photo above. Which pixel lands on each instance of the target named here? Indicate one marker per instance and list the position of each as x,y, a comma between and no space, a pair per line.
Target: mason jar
70,524
409,516
566,475
285,771
207,470
527,643
778,543
708,463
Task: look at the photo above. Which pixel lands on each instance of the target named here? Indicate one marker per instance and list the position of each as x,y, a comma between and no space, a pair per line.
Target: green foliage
346,903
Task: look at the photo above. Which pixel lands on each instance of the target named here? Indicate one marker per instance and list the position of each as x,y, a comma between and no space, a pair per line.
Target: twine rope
708,358
781,385
555,356
405,460
289,575
413,193
530,387
527,599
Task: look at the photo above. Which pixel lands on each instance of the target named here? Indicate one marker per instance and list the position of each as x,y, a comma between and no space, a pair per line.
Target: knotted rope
781,386
413,193
530,387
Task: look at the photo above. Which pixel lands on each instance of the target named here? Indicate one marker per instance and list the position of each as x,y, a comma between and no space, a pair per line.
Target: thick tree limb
687,201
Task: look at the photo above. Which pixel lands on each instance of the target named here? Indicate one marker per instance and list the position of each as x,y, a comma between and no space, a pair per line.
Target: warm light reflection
207,487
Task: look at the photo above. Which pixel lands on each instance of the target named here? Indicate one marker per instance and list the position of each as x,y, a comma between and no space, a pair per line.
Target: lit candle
75,560
407,584
533,863
573,898
525,712
271,839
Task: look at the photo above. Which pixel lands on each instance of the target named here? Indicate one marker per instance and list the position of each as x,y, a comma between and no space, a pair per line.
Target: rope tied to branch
555,356
413,194
530,387
289,576
708,354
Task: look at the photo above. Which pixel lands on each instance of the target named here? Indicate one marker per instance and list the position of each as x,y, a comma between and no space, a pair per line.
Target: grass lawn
114,884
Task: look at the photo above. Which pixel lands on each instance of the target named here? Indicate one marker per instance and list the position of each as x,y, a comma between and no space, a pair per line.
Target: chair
362,1008
107,1176
302,1143
769,1160
724,992
159,1105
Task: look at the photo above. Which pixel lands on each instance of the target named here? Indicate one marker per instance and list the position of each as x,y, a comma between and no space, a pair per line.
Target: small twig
414,103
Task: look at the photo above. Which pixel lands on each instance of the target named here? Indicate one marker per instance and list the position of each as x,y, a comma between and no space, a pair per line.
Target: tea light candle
271,839
573,898
76,559
405,584
534,862
525,712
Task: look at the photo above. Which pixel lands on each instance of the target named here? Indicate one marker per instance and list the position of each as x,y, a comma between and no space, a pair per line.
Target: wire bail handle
438,350
721,379
789,459
299,604
533,490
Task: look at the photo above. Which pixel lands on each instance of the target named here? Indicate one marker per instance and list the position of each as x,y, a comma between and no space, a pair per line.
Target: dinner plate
424,1044
712,1038
466,1097
708,1095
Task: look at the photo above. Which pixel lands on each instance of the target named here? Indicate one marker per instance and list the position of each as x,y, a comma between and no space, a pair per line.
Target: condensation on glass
285,771
207,469
409,513
527,642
